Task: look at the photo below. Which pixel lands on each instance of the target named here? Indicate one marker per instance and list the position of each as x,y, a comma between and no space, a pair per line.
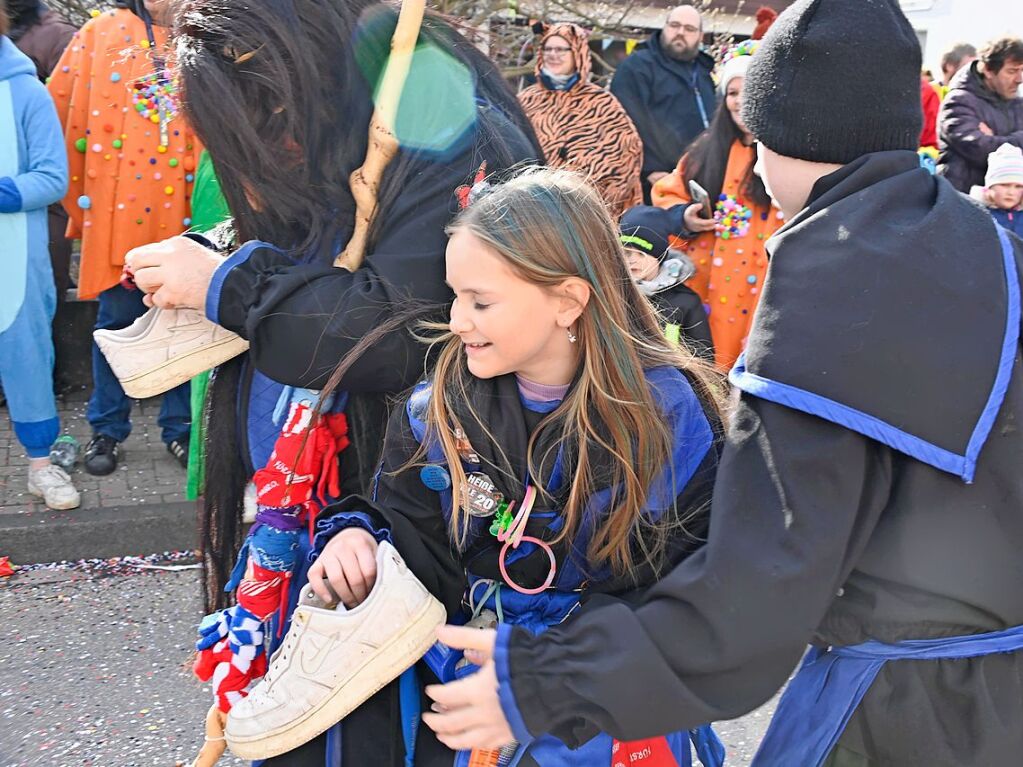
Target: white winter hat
1004,166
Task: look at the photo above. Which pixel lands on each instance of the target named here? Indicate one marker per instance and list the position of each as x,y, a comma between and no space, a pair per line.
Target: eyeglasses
555,49
687,28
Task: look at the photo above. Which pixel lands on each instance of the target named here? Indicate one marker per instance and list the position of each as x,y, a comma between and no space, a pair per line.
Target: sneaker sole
177,370
33,490
392,660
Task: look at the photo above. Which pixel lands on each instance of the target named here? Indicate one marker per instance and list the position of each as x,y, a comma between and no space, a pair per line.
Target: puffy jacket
670,102
963,147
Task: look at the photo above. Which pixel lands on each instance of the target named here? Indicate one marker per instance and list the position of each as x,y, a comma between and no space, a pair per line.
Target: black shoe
179,449
101,455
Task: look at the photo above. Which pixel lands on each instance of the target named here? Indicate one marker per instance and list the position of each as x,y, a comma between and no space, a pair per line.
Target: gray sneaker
53,485
332,661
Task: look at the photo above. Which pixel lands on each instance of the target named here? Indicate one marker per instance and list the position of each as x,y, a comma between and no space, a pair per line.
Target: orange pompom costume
731,263
127,187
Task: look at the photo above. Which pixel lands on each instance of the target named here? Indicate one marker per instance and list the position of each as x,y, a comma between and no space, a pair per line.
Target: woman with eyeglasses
579,125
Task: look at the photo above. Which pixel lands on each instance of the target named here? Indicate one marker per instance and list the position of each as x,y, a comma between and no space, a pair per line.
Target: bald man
668,92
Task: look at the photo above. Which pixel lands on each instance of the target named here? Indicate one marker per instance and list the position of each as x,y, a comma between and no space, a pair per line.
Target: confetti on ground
120,565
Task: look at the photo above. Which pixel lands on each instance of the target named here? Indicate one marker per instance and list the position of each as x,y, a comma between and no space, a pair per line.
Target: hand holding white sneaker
332,661
174,273
347,566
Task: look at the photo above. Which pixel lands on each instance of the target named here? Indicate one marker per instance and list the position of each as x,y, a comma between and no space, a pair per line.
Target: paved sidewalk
139,509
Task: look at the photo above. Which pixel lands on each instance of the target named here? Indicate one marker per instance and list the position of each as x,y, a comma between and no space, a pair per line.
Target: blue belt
821,698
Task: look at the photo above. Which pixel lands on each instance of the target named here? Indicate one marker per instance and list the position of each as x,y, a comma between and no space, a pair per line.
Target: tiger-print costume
586,129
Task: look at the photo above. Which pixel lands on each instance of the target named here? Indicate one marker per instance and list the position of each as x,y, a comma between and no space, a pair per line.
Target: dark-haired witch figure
281,94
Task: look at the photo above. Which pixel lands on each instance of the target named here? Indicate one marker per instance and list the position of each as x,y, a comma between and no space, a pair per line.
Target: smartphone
700,197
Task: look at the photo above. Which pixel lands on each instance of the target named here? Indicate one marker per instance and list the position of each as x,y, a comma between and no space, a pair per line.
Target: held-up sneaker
164,348
53,485
332,661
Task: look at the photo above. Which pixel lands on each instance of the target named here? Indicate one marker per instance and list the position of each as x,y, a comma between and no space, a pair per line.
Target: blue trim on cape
821,698
504,689
963,466
240,256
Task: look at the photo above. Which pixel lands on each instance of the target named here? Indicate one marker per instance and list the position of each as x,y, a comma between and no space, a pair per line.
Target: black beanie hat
646,229
834,80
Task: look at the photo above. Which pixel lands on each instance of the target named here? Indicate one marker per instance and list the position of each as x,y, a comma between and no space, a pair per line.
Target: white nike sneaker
54,486
164,348
332,661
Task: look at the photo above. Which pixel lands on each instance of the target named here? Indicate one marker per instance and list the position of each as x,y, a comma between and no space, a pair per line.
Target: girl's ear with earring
572,338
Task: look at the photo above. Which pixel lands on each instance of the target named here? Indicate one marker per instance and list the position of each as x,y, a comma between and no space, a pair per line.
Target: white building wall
943,23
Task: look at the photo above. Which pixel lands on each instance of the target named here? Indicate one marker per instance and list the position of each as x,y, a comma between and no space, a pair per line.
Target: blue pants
26,358
109,407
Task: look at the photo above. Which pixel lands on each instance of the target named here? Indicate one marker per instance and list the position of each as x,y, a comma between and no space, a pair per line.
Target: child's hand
467,713
349,564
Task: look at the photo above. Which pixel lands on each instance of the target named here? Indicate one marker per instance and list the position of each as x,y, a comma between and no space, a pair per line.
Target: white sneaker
53,485
332,661
164,348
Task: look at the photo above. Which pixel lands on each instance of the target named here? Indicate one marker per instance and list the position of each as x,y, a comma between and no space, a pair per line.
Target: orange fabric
136,193
729,272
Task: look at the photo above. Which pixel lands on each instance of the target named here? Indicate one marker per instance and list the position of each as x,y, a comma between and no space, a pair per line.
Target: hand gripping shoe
164,348
332,661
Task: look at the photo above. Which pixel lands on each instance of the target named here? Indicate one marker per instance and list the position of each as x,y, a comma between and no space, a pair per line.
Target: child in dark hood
660,272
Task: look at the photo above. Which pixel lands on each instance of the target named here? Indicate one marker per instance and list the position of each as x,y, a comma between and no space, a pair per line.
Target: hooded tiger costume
583,127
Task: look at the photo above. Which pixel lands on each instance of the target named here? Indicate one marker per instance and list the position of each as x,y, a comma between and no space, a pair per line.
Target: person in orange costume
137,189
729,255
132,158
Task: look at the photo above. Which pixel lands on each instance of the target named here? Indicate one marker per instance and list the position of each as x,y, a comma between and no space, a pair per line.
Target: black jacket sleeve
796,499
412,514
631,86
301,320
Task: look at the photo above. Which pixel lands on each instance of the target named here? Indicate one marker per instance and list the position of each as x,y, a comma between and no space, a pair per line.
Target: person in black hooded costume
868,498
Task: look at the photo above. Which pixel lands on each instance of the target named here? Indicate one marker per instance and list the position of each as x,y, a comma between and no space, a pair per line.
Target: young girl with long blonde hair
554,399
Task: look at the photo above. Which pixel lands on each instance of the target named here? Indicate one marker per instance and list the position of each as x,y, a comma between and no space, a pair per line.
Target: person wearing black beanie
867,499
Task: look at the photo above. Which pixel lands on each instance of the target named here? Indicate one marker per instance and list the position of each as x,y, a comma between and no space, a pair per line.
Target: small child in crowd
660,273
1002,192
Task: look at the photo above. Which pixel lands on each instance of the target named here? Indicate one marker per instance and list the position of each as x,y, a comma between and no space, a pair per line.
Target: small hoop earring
572,338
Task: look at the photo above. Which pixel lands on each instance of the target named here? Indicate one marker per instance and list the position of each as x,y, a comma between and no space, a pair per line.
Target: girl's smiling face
507,324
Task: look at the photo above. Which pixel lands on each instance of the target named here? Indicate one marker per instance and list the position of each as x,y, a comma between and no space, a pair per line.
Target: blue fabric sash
821,698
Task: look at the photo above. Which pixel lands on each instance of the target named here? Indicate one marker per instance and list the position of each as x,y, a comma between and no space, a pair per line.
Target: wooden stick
383,144
215,744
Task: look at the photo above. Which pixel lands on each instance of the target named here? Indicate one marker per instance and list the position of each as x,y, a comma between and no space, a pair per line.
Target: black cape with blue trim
888,297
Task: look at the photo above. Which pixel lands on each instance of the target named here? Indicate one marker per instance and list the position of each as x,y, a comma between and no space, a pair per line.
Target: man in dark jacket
668,92
983,111
867,499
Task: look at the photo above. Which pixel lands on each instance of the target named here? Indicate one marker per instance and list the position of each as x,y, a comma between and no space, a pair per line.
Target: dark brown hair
5,23
996,53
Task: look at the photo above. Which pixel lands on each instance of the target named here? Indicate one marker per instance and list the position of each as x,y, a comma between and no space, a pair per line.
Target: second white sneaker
332,661
164,348
54,486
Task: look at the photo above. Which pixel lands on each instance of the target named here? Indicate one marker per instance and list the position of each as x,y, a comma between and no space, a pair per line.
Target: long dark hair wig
279,92
707,160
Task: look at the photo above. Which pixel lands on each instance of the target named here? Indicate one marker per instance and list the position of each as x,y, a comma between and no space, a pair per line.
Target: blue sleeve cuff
217,283
10,197
504,689
330,526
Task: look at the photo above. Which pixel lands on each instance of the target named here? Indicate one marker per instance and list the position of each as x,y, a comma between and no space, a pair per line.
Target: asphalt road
94,671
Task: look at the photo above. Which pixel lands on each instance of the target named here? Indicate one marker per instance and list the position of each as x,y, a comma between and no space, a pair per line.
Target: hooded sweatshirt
584,128
33,174
869,488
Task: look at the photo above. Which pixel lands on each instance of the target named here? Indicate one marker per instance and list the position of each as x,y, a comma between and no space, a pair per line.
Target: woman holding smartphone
727,247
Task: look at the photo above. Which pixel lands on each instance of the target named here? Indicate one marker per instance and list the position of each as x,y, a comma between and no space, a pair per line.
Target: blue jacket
1010,219
33,174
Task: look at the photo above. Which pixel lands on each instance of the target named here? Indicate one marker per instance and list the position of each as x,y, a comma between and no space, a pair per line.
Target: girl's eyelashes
479,307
